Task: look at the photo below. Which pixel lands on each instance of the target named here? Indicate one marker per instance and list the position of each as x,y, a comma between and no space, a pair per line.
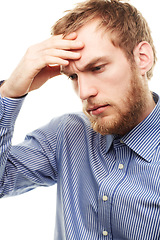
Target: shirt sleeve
29,164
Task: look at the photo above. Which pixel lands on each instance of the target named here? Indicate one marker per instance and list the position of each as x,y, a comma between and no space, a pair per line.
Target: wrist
2,90
7,92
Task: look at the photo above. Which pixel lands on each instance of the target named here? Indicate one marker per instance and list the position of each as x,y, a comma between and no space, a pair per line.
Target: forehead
97,45
91,33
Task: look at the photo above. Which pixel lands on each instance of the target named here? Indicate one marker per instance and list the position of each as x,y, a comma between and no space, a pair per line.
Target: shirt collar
145,137
109,140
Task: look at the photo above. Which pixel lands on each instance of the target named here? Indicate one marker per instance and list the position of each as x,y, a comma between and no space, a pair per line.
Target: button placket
108,187
104,209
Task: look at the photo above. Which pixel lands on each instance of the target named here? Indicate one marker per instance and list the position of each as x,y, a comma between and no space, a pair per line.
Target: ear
143,55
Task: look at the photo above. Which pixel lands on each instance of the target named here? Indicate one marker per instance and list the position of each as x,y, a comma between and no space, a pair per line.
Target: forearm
30,163
40,63
9,109
20,166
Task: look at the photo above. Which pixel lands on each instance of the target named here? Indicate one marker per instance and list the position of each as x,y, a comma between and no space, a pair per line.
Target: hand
40,63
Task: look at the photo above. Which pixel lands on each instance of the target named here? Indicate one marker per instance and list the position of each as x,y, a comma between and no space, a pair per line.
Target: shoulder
71,131
71,123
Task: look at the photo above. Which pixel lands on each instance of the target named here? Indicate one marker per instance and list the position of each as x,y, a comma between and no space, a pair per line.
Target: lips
96,110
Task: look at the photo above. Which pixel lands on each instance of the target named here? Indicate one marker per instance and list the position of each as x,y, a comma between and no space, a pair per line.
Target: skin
40,63
102,76
115,96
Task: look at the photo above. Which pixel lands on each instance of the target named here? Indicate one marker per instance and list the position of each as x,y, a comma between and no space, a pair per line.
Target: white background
24,23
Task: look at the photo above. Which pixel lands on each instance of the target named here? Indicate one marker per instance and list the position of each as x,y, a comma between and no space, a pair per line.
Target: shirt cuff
9,110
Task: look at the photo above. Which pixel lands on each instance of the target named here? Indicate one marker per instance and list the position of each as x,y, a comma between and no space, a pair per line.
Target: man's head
125,23
110,77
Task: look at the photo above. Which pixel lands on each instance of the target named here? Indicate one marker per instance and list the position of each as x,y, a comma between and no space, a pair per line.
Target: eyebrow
89,65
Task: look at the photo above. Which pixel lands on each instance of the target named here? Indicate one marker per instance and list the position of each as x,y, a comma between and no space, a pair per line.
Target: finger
68,44
71,36
59,43
53,61
63,54
49,72
54,71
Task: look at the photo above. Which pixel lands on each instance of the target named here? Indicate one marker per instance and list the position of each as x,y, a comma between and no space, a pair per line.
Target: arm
19,166
31,163
40,63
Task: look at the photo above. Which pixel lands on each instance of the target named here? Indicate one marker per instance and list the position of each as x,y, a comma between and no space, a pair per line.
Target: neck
149,105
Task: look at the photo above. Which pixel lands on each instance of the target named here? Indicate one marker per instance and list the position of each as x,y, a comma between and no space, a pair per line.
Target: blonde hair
127,25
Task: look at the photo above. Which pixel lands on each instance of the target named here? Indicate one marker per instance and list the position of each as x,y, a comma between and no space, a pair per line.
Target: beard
124,119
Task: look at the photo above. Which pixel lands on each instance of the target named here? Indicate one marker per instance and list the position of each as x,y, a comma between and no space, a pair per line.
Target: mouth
97,110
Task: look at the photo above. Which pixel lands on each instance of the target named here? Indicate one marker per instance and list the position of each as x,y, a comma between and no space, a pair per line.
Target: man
106,161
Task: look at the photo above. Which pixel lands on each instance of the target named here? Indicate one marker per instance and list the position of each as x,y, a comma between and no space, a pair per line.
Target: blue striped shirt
107,187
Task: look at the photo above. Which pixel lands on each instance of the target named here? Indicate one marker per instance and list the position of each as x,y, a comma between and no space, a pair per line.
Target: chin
112,125
105,125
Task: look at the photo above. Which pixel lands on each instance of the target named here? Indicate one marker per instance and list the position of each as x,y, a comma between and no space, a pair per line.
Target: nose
86,87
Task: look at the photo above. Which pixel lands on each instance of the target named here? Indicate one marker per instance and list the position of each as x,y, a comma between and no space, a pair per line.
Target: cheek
116,82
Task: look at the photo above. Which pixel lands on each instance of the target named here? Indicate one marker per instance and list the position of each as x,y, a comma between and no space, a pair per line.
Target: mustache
92,104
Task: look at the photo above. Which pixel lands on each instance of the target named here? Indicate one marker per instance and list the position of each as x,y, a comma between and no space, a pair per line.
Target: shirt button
105,233
105,198
121,166
121,141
